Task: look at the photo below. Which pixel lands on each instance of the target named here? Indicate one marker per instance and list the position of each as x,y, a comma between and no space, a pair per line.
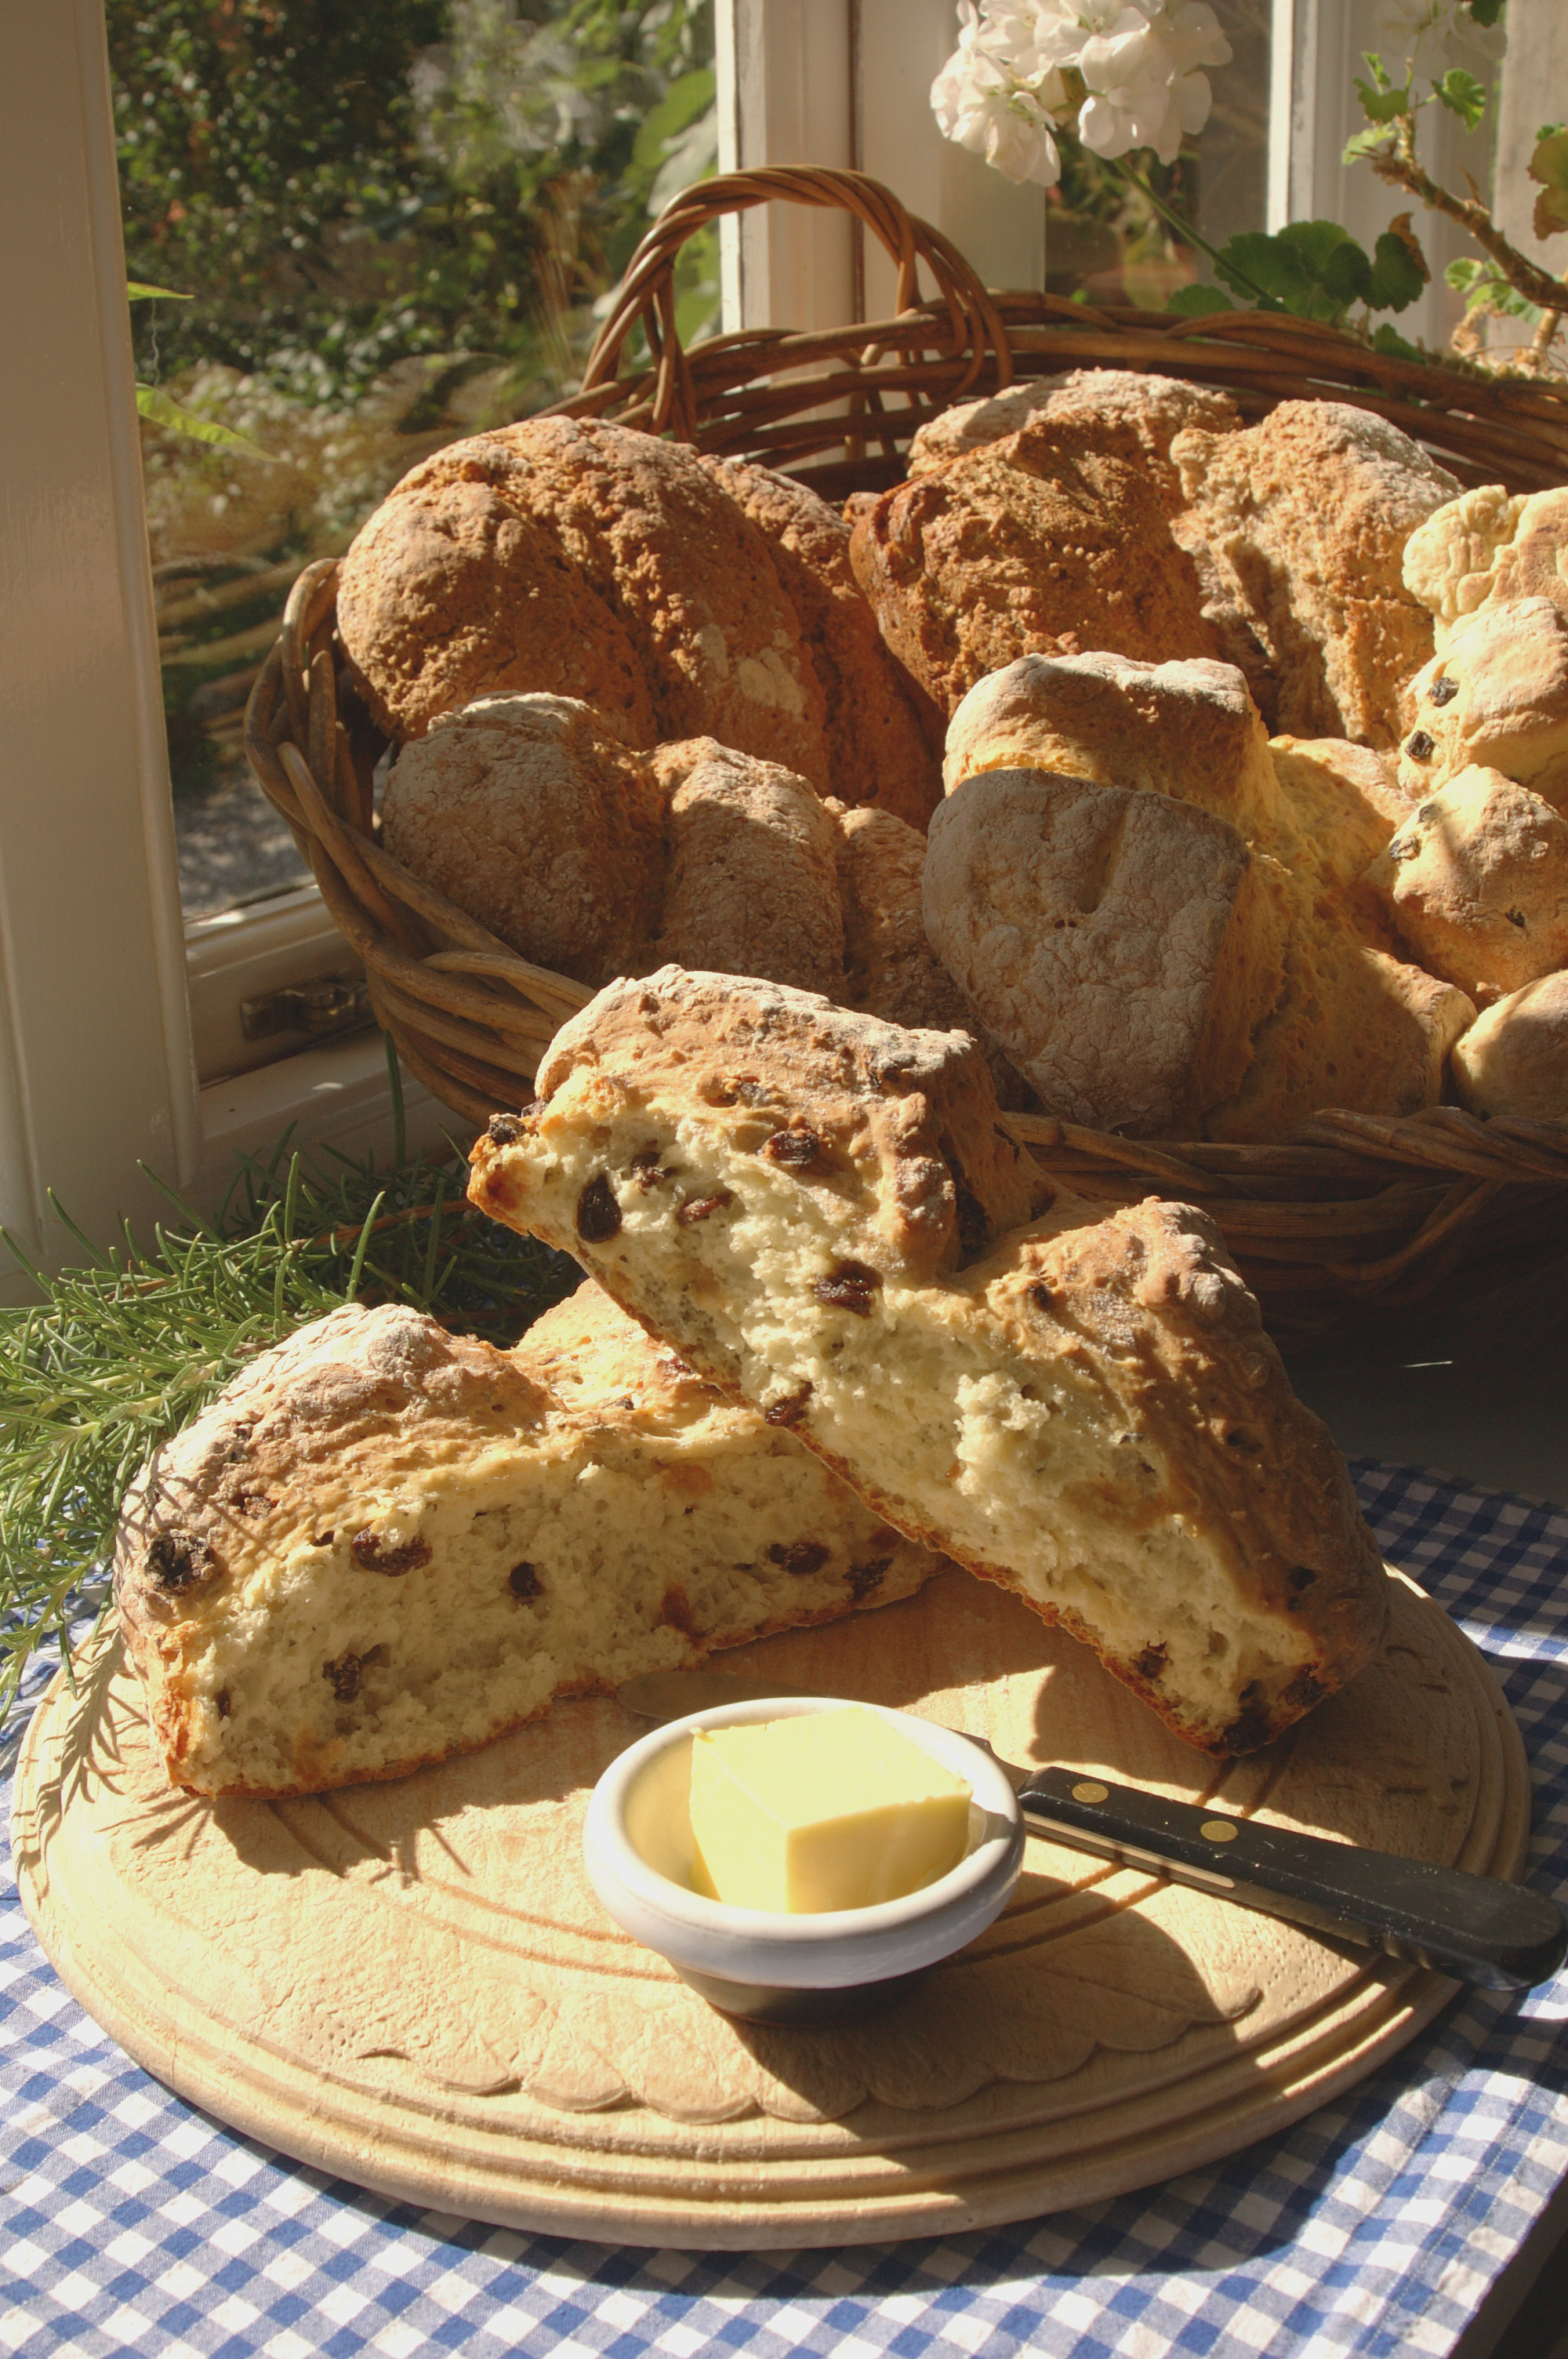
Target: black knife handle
1475,1928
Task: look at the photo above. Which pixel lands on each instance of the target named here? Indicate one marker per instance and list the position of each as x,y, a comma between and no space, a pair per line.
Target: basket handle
646,296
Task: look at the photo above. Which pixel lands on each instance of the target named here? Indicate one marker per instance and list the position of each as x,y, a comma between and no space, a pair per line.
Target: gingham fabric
131,2222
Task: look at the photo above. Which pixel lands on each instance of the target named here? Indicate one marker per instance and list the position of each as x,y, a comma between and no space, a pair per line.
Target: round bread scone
583,559
1155,409
890,969
1514,1058
1046,542
524,812
384,1544
885,735
1298,525
1497,696
1085,1409
752,885
1476,881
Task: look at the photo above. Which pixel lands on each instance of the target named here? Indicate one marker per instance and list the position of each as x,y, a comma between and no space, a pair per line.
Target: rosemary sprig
119,1352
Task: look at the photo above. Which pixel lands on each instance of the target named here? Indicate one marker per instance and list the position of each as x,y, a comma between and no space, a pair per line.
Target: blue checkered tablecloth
131,2222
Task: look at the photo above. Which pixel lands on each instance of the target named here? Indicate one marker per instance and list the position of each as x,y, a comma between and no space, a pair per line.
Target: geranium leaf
1549,170
1399,267
1388,340
161,407
1463,95
1197,302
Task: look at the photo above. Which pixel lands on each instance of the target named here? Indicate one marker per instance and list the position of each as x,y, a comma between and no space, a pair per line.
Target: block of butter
830,1810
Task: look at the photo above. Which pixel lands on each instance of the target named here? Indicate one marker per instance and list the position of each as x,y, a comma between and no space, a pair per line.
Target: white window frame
98,1069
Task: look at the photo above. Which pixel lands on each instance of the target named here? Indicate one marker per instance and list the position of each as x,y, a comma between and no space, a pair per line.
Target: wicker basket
1357,1213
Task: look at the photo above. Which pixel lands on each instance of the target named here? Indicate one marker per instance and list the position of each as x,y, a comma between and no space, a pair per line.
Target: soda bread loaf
1048,539
753,883
1122,946
824,1215
383,1544
1151,410
884,737
1189,730
1302,520
1514,1058
1297,1000
1496,696
1476,881
529,814
579,559
891,970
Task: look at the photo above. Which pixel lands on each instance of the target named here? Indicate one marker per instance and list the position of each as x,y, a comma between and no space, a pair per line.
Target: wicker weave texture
1357,1213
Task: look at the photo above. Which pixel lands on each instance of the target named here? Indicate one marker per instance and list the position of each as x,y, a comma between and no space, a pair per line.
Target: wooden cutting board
413,1986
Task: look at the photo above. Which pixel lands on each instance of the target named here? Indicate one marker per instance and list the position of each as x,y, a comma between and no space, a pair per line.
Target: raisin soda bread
823,1213
384,1544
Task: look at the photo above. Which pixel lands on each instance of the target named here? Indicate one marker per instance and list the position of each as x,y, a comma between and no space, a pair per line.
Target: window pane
1104,240
394,222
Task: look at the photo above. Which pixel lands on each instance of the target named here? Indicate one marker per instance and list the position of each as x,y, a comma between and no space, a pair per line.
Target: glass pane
1105,240
393,220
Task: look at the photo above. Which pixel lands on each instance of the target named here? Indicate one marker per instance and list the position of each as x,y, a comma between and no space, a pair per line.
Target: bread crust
752,881
1497,696
381,1415
1476,881
1121,403
885,736
890,969
530,815
1514,1058
1120,944
1140,1315
1046,542
1304,518
582,560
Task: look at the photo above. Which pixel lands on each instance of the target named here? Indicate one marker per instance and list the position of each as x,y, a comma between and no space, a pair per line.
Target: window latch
325,1004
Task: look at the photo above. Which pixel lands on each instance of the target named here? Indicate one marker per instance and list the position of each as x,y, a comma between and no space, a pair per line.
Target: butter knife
1477,1928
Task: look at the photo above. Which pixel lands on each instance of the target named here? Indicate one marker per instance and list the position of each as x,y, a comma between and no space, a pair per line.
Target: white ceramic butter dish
779,1968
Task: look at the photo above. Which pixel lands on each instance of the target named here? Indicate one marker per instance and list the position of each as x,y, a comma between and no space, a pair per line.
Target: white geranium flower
1005,85
979,104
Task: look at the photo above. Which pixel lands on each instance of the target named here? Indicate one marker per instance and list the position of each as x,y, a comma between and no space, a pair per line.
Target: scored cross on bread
823,1213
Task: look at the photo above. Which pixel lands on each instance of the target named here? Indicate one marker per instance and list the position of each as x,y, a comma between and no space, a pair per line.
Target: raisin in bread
383,1544
824,1214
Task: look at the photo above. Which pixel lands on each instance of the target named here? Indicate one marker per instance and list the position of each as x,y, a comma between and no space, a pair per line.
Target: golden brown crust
891,970
1302,520
1514,1058
1476,881
358,1410
583,559
1117,404
1044,541
880,744
1145,1303
1496,696
908,1117
524,812
1344,799
454,590
752,885
1189,730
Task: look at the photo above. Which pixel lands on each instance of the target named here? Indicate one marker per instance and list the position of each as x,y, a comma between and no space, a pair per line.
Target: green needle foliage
121,1352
